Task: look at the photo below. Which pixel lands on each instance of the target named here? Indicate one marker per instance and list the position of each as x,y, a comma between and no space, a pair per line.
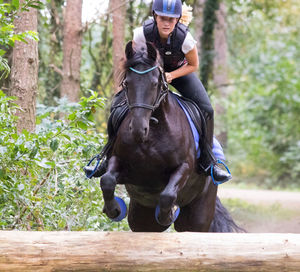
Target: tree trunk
101,78
207,41
24,71
118,10
198,22
220,76
70,86
127,251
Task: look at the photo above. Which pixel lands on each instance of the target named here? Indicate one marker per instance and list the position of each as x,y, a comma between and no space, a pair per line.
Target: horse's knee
108,183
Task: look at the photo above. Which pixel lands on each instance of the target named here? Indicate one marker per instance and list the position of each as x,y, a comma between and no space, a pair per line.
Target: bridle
161,95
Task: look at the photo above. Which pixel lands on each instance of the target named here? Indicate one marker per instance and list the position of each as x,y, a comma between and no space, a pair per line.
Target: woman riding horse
178,51
154,156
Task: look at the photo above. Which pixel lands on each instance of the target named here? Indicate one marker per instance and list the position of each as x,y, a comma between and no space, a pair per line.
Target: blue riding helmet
170,8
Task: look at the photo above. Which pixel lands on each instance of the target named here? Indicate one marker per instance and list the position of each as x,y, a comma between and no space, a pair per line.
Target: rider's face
165,25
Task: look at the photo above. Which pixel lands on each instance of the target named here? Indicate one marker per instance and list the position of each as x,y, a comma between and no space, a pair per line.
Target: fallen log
127,251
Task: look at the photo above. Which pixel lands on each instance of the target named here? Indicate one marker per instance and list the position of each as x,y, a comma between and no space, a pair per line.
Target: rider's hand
169,77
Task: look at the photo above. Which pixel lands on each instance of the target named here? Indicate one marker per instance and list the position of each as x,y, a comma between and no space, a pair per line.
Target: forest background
57,81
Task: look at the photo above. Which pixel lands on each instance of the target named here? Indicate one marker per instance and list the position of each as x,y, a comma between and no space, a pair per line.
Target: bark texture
24,71
198,22
220,71
70,86
127,251
118,11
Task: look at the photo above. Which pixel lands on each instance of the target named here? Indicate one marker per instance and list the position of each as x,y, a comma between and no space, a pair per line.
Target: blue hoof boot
123,208
157,210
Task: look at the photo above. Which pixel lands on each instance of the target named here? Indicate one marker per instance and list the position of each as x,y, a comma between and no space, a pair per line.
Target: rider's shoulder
188,43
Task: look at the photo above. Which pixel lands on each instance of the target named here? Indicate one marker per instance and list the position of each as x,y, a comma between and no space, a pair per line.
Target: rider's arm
191,66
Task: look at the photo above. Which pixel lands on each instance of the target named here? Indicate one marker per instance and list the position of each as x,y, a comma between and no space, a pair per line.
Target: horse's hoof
175,212
123,209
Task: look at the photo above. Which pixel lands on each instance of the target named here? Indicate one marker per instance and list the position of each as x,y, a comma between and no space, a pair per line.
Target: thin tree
220,71
198,6
210,29
207,40
24,71
118,10
72,41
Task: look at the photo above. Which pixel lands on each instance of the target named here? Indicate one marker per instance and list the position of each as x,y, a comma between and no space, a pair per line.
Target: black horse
154,155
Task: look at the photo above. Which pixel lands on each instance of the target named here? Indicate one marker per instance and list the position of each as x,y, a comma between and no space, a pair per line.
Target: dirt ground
263,210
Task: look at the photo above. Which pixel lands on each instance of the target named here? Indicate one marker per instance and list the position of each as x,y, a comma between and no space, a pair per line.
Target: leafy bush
8,37
42,185
265,104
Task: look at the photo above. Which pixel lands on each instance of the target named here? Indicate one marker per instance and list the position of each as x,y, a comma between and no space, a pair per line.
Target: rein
162,93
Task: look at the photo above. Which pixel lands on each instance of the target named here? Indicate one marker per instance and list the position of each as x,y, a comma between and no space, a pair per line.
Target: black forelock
140,57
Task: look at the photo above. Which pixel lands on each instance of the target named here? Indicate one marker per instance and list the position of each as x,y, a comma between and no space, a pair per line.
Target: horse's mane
140,56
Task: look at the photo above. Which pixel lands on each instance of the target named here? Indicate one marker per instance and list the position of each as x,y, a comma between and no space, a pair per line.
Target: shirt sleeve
188,43
138,35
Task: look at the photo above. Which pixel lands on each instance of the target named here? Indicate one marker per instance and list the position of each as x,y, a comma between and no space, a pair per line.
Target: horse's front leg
108,184
167,208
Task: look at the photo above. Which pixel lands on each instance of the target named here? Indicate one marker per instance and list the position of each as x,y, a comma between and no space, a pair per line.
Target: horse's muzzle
139,129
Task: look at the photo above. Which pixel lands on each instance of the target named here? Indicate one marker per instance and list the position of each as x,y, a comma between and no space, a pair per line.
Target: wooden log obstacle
127,251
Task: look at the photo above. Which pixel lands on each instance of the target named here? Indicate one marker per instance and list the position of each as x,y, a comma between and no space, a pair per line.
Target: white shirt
187,46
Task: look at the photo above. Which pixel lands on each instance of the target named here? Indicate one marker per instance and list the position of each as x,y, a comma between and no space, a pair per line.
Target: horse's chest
155,148
146,155
144,163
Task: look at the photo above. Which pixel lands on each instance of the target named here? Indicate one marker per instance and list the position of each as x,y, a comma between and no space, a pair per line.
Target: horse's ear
129,52
152,52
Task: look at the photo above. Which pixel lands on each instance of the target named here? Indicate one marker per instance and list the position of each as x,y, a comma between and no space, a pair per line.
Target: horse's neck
166,109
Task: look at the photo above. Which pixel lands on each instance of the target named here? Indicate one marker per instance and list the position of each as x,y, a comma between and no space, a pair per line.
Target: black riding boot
207,161
118,112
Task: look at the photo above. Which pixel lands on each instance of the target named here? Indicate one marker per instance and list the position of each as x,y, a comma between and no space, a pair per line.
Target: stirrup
212,172
96,167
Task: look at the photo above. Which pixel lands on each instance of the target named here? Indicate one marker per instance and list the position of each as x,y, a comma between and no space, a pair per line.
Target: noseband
162,92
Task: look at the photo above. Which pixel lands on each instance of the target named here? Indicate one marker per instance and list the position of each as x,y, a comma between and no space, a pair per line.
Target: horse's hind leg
108,184
141,218
198,215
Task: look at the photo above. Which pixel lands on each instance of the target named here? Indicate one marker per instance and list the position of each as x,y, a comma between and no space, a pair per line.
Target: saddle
196,120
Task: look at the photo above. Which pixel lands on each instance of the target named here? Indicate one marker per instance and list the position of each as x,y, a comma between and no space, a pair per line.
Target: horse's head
145,87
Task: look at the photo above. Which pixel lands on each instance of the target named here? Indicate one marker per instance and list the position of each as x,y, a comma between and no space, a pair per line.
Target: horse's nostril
146,131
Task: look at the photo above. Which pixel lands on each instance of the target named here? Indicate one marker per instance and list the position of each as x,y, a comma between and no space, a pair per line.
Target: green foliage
50,29
263,112
207,40
42,185
8,13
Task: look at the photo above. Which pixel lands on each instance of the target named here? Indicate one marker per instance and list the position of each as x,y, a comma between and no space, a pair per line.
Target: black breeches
191,87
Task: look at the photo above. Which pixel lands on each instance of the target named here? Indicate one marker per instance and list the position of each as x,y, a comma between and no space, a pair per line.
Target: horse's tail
223,221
